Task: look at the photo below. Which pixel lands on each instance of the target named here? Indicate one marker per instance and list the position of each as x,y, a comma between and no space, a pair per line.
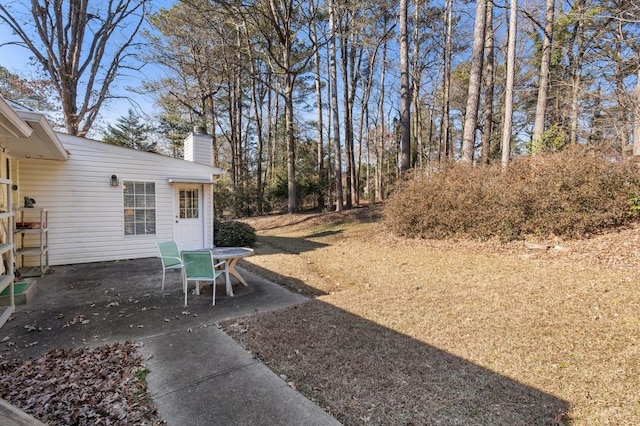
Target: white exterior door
189,227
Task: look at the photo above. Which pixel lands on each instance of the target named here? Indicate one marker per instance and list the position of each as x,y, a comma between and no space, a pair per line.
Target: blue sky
17,60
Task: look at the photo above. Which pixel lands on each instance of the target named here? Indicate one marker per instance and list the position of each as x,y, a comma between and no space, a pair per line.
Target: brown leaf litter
104,385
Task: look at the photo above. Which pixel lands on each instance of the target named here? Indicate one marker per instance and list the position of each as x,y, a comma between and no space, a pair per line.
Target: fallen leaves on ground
417,331
104,385
78,319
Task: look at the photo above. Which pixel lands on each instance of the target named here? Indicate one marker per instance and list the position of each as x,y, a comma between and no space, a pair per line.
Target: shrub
223,195
570,194
307,192
233,234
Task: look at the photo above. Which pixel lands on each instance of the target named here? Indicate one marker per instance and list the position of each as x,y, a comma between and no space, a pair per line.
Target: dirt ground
450,332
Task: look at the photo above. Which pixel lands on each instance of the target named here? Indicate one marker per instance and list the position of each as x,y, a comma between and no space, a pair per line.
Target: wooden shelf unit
6,252
35,222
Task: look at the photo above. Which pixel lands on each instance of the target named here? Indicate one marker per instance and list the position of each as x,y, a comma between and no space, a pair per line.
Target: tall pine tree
129,132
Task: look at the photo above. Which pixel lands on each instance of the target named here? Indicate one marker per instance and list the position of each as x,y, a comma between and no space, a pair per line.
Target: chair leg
183,278
184,285
163,271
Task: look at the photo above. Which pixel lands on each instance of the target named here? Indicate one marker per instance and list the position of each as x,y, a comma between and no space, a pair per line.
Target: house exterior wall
86,222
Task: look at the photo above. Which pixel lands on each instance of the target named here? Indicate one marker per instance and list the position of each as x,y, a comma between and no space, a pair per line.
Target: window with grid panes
189,208
139,208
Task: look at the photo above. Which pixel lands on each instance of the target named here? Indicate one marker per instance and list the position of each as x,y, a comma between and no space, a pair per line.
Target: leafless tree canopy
82,46
328,102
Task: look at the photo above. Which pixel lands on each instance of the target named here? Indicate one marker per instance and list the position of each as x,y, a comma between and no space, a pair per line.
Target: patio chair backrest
169,253
198,265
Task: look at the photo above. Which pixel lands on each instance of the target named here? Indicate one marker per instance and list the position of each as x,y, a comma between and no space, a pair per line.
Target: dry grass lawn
445,332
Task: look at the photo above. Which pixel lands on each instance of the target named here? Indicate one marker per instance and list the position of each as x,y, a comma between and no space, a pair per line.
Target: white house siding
86,221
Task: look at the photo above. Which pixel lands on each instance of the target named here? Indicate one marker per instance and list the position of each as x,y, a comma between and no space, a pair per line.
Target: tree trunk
636,119
446,90
239,118
269,130
292,205
508,91
405,91
364,123
475,81
257,112
487,133
212,125
318,87
576,71
596,110
621,92
416,74
330,168
355,58
348,120
381,127
334,101
368,162
232,135
543,85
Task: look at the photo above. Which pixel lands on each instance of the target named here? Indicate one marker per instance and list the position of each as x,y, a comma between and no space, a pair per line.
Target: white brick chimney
198,148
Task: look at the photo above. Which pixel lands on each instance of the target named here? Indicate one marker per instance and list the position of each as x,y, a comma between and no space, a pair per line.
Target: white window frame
141,204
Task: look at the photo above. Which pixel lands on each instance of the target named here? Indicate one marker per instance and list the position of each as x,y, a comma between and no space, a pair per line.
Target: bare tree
416,81
81,47
489,83
508,91
319,108
333,82
543,84
36,94
380,146
280,24
446,86
576,53
370,79
258,93
349,55
405,91
186,44
475,81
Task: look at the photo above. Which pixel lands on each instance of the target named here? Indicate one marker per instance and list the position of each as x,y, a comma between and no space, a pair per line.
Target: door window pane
189,207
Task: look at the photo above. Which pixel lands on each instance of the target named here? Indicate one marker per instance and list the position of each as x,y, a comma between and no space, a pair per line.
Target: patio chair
171,260
200,266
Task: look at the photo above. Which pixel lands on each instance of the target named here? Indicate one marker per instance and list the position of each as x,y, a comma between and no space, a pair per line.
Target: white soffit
11,125
43,143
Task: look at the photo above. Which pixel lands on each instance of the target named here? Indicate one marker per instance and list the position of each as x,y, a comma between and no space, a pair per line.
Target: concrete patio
198,374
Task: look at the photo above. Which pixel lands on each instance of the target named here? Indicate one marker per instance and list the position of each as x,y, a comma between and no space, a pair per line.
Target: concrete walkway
204,378
198,375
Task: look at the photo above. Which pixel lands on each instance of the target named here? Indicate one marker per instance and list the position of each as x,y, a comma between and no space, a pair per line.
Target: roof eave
11,122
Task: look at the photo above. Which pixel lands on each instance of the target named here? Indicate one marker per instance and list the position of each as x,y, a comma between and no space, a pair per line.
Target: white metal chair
200,266
171,260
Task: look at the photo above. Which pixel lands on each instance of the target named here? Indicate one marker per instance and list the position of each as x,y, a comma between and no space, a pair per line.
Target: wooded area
328,103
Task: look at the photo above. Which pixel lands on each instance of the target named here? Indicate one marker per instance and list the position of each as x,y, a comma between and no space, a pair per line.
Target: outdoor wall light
114,180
